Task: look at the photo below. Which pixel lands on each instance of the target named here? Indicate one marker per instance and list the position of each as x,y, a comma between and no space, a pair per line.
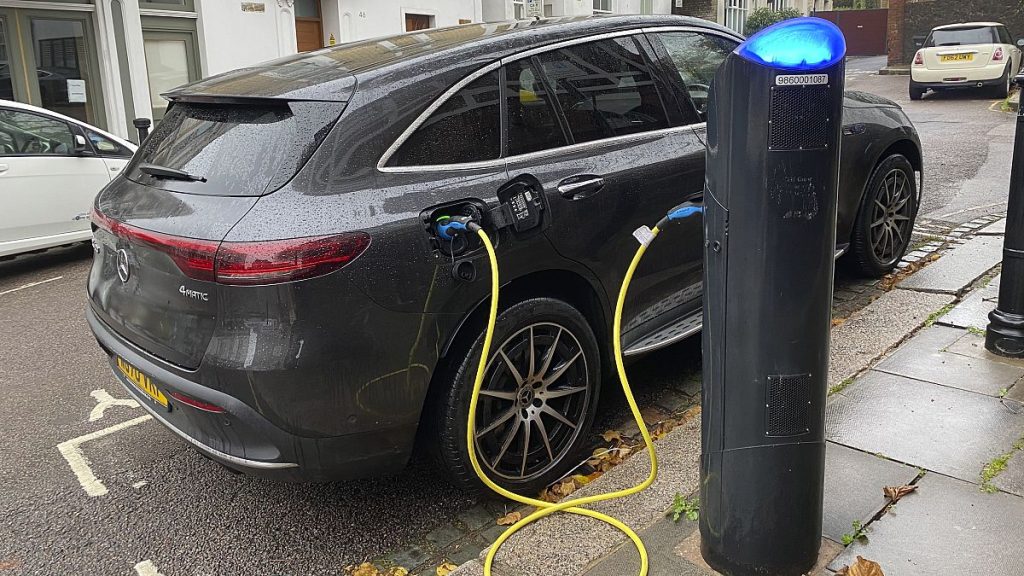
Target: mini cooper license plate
956,58
141,381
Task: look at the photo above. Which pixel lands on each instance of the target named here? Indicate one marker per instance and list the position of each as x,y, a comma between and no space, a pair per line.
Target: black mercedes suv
267,285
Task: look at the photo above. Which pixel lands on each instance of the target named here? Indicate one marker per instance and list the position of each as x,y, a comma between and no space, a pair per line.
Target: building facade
733,13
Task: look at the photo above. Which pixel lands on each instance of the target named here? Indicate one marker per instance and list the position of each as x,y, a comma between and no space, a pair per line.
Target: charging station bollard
1005,333
774,124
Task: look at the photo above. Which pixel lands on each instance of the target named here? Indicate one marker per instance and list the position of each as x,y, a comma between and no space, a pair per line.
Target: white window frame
647,6
609,10
521,4
736,12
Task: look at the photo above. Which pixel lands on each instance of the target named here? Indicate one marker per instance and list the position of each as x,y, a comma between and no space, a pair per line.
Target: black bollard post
142,125
1005,334
774,127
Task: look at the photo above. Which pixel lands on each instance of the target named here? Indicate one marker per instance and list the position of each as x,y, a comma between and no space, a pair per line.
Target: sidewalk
938,412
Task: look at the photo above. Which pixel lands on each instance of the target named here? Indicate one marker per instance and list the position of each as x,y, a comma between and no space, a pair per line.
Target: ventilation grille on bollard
788,405
796,118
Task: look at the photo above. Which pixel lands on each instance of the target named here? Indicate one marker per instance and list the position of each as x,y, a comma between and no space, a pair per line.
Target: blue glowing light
796,44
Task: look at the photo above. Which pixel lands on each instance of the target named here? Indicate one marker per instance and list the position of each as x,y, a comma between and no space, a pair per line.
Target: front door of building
309,32
47,58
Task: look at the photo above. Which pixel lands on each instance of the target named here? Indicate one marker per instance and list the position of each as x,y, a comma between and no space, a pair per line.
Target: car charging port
446,225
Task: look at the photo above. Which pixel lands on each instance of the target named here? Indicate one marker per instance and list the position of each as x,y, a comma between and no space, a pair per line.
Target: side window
605,89
1004,35
31,134
107,147
532,124
696,57
466,128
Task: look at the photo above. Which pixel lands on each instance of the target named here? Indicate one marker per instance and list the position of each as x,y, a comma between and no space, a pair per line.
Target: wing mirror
81,146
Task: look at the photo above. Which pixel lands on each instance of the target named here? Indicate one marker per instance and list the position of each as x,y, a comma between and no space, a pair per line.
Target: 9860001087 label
801,79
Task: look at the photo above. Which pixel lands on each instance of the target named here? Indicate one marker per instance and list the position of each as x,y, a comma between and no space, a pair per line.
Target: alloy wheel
890,217
534,399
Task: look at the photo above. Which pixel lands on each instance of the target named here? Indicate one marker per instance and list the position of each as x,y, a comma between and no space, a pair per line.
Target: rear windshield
241,149
958,36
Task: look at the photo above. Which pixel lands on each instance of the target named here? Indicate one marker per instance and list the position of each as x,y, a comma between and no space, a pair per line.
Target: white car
969,55
51,168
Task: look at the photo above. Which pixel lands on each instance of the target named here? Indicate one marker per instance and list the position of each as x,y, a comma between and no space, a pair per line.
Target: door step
668,334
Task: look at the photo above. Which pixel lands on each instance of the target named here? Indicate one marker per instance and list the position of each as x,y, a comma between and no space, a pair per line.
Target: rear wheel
537,402
1002,90
885,221
916,91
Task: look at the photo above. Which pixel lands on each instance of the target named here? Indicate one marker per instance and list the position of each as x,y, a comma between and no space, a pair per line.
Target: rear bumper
989,75
243,440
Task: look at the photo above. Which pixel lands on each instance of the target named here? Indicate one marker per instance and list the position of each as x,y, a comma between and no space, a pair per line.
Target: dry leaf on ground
861,567
894,493
612,436
397,571
445,569
364,569
510,518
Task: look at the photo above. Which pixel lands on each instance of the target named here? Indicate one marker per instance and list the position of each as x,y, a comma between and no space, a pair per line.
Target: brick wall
909,18
707,9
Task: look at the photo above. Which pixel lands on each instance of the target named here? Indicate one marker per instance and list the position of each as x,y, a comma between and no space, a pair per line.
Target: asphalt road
157,500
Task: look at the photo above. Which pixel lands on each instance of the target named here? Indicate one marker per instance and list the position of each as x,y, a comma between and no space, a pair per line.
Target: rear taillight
997,56
919,58
247,263
197,404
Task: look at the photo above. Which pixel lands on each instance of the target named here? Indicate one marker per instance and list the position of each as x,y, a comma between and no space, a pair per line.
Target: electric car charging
771,212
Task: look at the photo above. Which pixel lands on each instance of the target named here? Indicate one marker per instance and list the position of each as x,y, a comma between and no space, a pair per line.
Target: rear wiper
157,171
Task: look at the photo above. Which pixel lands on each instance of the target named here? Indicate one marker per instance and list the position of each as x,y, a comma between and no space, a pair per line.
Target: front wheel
537,402
885,221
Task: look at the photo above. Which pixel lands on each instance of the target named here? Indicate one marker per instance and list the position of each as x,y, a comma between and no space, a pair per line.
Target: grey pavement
959,269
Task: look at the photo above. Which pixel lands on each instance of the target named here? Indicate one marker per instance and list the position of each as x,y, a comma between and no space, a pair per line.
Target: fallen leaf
861,567
9,564
445,569
583,480
364,569
510,518
567,486
397,571
612,436
894,493
838,322
547,496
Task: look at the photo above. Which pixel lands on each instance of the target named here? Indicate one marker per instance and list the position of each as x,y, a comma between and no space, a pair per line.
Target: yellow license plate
141,381
956,58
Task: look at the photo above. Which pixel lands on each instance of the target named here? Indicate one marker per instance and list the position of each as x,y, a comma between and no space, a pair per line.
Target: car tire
916,91
885,221
1002,90
515,405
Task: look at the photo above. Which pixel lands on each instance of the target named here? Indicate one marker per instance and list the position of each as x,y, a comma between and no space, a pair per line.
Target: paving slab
565,544
923,358
939,428
973,311
853,487
1012,479
973,345
873,330
946,527
689,549
997,228
958,268
661,540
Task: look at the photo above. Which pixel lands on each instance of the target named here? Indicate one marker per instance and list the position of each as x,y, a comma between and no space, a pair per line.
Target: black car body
271,365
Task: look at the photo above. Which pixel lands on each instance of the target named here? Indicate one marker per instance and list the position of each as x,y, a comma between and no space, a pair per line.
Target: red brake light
919,58
197,404
247,263
997,56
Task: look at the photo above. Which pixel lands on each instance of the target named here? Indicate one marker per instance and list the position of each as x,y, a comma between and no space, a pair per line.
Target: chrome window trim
568,148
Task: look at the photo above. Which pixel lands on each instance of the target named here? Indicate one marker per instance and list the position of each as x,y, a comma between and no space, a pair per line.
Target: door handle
4,168
578,187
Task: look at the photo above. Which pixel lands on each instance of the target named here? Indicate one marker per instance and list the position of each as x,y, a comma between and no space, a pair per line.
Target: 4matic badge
194,294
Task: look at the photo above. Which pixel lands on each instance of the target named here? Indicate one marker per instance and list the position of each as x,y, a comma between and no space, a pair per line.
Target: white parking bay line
146,568
30,284
72,452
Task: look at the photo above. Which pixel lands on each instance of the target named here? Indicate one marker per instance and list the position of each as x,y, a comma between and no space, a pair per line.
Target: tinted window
605,89
242,150
466,128
107,147
696,57
32,134
532,124
958,36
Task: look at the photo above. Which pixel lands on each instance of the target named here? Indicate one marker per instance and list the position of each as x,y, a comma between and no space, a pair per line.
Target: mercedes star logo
123,271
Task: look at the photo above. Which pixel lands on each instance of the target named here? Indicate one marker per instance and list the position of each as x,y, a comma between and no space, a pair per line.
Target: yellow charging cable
572,506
